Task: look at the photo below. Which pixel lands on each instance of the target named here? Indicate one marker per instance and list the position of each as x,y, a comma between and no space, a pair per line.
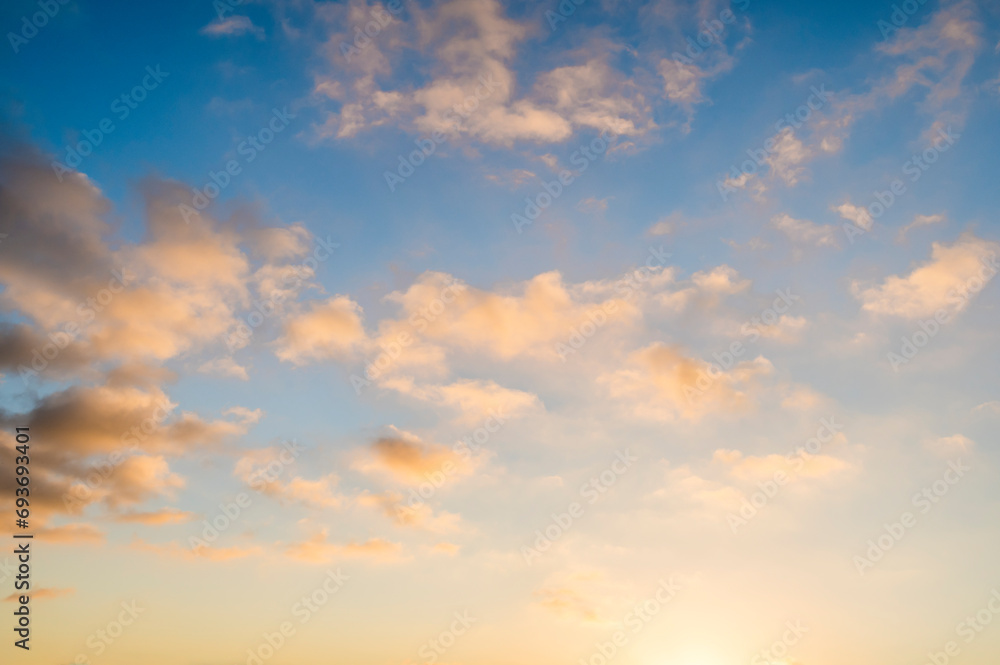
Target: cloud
232,26
593,205
785,161
179,290
947,281
919,221
225,367
787,330
663,227
857,215
201,552
141,477
930,63
156,517
262,469
409,460
527,320
662,383
325,330
804,232
950,446
991,406
446,548
411,513
317,549
43,593
71,534
582,595
477,82
475,400
756,468
107,445
704,496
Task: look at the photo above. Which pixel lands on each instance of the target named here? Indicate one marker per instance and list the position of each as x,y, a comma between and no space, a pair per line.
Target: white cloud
948,281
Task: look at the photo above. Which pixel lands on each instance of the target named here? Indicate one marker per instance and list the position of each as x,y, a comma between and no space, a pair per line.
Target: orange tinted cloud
316,549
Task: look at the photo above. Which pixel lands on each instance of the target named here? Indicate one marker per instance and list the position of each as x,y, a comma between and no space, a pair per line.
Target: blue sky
483,311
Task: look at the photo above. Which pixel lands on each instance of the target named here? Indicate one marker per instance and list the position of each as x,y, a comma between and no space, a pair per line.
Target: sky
476,332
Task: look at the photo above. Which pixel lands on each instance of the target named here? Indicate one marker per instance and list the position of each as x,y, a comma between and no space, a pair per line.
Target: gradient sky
730,385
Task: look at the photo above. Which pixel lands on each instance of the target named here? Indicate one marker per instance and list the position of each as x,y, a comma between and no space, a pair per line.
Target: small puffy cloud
918,222
475,401
232,26
952,276
316,549
786,159
664,384
592,204
804,232
721,280
950,446
663,227
410,460
856,215
527,320
705,496
787,330
264,470
988,407
225,367
407,512
326,330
